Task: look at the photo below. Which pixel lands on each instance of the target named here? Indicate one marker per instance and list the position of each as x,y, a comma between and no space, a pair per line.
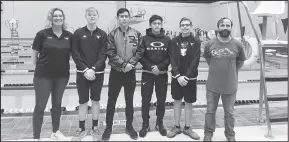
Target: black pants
116,81
188,92
161,85
43,88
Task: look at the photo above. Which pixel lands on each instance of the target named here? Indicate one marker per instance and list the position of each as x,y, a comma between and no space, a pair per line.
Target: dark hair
50,16
186,19
155,17
122,10
222,19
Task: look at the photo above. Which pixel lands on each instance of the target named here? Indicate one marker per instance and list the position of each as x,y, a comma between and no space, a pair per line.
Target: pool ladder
265,98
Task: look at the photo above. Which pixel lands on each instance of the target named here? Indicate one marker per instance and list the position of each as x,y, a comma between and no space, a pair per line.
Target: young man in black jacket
185,56
155,64
89,54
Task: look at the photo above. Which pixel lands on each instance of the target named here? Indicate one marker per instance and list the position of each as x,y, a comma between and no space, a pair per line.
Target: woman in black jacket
185,56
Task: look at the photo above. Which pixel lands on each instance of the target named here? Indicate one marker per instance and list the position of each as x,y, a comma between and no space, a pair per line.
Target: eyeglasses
123,16
187,25
156,23
55,16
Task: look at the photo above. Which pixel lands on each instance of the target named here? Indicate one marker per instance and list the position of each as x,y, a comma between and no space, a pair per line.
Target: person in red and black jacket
155,62
185,56
89,45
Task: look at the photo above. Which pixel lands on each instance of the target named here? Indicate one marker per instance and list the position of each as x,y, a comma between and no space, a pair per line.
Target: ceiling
187,1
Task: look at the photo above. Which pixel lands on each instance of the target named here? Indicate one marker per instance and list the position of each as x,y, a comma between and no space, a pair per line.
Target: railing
112,26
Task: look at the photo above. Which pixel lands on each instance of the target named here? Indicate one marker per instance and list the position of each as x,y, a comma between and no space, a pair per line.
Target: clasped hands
89,74
182,81
155,70
127,68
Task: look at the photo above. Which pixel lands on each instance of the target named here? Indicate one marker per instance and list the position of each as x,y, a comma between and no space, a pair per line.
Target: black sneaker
160,127
106,134
131,132
144,130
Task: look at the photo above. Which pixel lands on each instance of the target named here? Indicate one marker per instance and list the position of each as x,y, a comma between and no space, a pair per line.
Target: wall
32,14
204,16
220,10
172,13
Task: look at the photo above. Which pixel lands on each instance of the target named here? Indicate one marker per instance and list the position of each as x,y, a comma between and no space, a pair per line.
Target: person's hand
182,81
89,74
155,70
128,67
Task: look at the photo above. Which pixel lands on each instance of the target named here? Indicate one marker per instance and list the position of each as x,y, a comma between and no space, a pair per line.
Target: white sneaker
58,136
79,134
95,134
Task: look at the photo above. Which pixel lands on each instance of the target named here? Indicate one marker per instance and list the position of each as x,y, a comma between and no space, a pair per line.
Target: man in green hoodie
155,62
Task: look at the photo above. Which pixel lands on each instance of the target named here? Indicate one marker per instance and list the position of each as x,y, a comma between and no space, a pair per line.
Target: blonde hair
49,23
91,9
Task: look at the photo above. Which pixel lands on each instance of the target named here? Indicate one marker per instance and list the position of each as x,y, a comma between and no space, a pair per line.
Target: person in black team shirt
124,53
185,56
89,53
51,54
155,64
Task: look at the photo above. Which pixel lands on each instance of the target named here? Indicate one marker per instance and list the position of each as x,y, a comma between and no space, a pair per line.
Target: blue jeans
228,101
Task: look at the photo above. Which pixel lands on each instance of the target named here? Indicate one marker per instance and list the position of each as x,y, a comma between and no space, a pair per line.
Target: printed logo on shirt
133,40
49,37
184,44
157,44
156,48
84,36
183,52
66,38
98,37
224,52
